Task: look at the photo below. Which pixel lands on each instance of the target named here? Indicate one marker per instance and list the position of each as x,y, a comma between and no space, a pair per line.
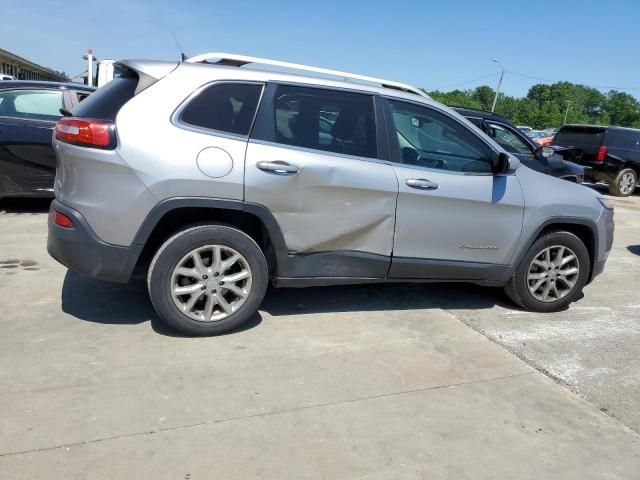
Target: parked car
524,128
222,178
612,153
514,141
6,77
540,138
28,112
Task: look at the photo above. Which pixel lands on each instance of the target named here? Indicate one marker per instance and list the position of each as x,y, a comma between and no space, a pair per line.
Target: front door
314,161
455,219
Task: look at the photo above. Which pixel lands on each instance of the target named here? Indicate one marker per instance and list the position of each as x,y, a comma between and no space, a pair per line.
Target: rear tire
552,273
624,183
207,280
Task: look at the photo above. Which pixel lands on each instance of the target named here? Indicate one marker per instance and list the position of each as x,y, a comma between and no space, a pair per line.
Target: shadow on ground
635,249
24,205
117,304
126,304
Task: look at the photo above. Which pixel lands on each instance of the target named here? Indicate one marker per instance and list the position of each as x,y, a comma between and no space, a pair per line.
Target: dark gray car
547,160
28,112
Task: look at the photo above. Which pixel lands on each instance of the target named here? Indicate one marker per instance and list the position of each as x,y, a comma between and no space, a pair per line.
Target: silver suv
213,179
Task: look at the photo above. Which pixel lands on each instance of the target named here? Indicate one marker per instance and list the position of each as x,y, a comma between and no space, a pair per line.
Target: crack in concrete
265,414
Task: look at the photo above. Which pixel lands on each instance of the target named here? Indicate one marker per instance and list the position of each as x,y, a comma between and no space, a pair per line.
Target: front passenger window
430,139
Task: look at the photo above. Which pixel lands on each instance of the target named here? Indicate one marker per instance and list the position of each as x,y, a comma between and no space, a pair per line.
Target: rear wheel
624,183
207,280
552,273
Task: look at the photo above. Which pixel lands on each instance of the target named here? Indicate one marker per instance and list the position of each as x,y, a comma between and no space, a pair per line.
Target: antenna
183,57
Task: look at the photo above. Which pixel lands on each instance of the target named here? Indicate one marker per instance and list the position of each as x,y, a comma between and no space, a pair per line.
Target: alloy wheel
553,273
627,183
210,283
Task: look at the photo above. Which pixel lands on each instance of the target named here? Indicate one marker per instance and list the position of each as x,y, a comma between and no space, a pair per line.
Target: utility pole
495,98
89,58
566,112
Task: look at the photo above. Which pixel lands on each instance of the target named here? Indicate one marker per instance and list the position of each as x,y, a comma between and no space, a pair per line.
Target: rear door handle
283,168
422,183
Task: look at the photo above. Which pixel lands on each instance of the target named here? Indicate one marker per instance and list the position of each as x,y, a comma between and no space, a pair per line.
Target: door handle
283,168
422,183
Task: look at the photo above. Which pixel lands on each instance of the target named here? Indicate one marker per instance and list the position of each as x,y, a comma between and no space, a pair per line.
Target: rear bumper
80,250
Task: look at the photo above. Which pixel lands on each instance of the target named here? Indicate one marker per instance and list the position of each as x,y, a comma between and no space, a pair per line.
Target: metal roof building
23,69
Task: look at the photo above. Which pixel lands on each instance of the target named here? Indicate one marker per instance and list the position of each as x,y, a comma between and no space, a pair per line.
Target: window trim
394,145
177,113
24,119
262,122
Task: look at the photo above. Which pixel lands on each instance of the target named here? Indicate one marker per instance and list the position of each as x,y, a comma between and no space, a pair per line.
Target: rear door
27,118
455,219
317,160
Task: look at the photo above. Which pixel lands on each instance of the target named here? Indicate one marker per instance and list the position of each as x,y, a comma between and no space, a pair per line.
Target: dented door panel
332,203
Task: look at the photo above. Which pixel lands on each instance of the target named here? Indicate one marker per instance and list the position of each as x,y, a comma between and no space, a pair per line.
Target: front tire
207,279
552,274
624,183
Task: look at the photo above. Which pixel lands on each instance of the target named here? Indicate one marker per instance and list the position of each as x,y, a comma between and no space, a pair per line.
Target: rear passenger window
225,107
332,121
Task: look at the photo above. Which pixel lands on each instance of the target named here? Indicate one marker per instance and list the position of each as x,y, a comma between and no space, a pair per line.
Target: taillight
61,219
85,132
602,154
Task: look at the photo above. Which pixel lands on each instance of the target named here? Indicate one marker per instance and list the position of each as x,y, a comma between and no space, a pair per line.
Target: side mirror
500,163
545,152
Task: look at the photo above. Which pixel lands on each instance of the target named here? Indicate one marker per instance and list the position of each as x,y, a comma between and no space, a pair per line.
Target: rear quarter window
224,107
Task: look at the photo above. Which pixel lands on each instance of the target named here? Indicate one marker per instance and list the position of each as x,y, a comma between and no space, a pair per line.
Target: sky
430,44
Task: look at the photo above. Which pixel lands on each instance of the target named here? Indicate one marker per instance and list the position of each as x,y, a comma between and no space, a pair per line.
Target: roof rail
231,59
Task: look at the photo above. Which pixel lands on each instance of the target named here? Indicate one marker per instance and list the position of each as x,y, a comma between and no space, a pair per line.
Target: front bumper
80,250
605,227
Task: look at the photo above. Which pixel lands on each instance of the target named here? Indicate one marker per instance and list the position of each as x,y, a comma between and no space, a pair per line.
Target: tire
519,287
207,316
624,183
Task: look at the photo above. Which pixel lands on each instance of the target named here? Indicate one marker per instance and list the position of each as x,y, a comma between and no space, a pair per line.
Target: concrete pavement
594,346
355,382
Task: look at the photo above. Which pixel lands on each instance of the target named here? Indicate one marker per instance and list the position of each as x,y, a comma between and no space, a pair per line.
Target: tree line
545,106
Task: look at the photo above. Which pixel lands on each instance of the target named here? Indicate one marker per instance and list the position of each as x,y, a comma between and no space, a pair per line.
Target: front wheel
552,273
624,183
207,279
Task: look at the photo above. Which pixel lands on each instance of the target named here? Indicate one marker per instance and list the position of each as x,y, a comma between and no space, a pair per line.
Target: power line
466,82
532,77
608,87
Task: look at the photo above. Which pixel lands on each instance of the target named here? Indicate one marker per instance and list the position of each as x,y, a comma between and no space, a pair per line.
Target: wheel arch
582,228
172,215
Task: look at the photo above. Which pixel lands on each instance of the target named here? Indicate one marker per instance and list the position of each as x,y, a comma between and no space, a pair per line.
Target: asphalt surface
345,382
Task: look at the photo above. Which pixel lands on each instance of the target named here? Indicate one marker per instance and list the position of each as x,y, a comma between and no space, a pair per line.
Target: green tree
622,109
546,105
